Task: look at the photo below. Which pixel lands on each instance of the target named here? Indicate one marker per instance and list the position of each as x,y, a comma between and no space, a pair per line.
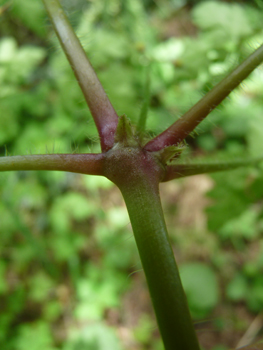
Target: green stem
104,115
145,106
178,131
90,164
176,171
168,298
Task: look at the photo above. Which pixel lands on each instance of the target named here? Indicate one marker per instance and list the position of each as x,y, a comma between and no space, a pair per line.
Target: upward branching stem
178,131
104,115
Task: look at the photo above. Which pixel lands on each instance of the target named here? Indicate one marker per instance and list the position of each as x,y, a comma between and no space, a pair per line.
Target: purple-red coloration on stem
85,163
178,131
104,115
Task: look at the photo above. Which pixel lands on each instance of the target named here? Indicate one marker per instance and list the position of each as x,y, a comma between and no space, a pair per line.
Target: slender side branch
104,115
176,171
145,106
178,131
90,164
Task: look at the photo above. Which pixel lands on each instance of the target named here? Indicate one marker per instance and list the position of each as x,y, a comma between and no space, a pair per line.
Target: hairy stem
169,301
178,131
175,171
137,173
104,115
91,164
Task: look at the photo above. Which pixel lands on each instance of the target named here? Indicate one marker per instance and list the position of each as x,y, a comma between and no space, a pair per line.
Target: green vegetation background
70,276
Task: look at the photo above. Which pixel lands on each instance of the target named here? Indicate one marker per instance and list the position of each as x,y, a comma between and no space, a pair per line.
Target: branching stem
178,131
104,115
145,106
137,174
176,171
91,164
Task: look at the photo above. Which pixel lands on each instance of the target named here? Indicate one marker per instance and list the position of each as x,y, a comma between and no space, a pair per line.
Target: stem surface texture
139,186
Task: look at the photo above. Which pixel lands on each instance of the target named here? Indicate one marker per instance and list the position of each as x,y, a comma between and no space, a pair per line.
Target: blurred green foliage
67,257
201,288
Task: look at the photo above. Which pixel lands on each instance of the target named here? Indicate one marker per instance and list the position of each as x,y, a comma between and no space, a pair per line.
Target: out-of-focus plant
131,160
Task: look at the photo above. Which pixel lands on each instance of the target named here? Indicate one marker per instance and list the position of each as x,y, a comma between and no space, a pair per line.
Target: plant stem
85,163
178,131
145,106
176,171
104,115
168,298
137,173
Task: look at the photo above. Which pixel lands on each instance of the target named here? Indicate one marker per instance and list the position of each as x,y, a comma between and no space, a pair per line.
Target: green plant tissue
232,18
201,288
93,337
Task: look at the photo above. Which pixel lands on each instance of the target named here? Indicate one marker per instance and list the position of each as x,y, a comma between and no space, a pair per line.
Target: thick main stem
137,174
168,297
